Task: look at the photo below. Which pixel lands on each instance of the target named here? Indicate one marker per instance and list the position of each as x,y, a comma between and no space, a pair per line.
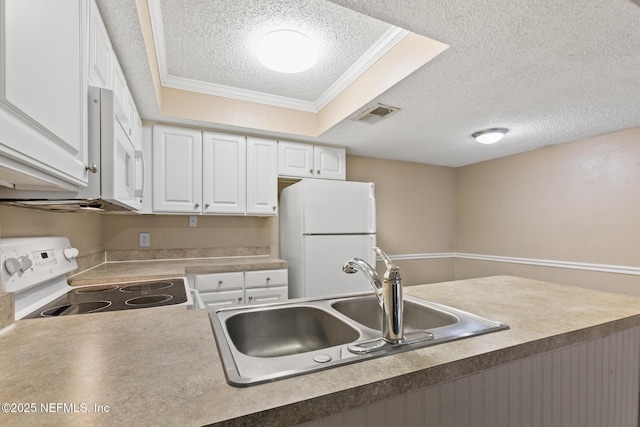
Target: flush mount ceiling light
287,51
490,136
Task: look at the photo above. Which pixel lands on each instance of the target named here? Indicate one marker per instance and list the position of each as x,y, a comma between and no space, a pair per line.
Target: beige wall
84,230
576,202
415,213
173,232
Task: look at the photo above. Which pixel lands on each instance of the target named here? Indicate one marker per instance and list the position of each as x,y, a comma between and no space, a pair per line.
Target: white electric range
35,270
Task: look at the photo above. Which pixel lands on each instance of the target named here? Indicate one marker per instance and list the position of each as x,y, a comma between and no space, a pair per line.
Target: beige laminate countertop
121,271
160,366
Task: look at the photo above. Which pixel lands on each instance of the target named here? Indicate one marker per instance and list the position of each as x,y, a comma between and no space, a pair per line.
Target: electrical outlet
193,220
144,240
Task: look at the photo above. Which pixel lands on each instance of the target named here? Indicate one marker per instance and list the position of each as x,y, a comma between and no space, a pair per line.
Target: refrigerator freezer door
337,207
324,257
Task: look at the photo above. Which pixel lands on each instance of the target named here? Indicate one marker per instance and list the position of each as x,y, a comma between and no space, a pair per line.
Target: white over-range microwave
116,171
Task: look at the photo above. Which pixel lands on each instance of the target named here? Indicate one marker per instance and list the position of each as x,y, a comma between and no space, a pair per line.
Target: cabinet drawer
266,295
265,278
222,298
219,281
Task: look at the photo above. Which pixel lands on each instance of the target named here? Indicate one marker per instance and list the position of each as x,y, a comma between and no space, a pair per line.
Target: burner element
148,299
79,308
95,289
142,287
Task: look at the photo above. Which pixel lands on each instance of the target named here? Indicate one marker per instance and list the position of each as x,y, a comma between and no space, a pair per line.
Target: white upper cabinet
262,176
177,169
301,160
213,173
295,159
101,56
43,95
224,183
330,162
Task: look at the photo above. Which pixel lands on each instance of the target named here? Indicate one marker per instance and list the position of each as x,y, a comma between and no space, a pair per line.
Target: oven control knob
70,253
15,265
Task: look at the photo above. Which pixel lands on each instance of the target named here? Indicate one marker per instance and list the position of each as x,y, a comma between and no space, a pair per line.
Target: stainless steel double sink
259,344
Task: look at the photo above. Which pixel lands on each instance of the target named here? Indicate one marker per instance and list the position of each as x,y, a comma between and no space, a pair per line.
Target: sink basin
366,311
262,343
287,330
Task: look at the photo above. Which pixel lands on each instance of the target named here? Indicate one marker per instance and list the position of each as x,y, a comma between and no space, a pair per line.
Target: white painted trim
237,93
410,257
388,40
602,268
157,30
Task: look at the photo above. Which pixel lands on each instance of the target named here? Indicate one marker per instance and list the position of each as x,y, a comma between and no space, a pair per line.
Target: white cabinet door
329,162
121,97
262,176
101,54
177,169
295,159
43,94
301,160
266,295
224,173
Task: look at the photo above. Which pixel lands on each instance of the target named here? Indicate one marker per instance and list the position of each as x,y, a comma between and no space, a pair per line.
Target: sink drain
322,358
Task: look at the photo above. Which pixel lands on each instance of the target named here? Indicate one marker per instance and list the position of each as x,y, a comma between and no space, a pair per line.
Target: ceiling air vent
376,113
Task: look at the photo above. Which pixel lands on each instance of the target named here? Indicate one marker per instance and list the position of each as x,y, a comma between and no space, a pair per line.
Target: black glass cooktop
122,296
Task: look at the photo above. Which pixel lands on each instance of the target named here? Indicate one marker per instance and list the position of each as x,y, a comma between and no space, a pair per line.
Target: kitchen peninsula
160,366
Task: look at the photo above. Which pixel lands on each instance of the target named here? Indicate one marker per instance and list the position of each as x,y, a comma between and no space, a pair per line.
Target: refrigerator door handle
374,257
372,200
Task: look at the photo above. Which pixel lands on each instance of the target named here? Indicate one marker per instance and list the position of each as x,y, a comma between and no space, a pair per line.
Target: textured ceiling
227,32
550,71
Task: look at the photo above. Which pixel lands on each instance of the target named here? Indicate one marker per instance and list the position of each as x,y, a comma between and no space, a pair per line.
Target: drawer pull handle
219,282
250,298
239,299
268,278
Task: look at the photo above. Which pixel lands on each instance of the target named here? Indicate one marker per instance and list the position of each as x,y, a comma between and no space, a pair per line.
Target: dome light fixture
490,136
287,51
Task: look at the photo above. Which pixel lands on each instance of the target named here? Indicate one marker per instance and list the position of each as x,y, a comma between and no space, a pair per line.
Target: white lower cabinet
239,288
220,299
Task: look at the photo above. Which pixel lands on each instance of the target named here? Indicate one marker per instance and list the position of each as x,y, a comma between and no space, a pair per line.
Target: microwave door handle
129,172
139,157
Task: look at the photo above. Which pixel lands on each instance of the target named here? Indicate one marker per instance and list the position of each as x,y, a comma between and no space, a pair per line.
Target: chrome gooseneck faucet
389,294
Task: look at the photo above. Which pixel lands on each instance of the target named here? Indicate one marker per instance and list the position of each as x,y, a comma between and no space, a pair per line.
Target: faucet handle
392,269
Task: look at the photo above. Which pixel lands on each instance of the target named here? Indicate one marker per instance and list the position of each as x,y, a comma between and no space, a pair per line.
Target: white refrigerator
323,224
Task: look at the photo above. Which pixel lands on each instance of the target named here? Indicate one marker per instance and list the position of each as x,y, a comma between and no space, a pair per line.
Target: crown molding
388,40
